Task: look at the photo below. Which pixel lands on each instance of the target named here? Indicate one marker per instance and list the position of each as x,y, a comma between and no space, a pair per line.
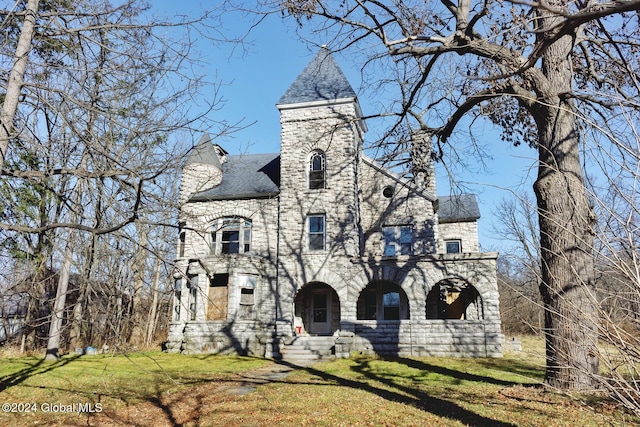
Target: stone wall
197,218
466,232
398,205
405,338
333,129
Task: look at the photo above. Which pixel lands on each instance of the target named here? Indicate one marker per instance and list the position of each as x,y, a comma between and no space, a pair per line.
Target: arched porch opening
454,299
383,301
317,310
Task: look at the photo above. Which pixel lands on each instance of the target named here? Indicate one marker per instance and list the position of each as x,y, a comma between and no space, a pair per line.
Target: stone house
319,240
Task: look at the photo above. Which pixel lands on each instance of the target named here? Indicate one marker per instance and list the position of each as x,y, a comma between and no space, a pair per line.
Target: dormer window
231,236
317,170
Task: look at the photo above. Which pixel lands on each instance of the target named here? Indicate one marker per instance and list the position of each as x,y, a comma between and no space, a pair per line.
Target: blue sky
256,77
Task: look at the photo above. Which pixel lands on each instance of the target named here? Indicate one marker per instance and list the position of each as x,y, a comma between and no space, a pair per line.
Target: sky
255,77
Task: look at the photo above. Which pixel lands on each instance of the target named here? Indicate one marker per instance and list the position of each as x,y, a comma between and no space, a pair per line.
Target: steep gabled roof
246,176
321,80
405,183
462,207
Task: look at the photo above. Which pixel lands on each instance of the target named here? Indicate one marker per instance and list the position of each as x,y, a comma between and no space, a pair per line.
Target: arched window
231,235
317,170
383,301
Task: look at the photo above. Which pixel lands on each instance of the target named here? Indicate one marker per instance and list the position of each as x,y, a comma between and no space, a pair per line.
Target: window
247,285
317,168
316,235
182,238
391,305
453,246
176,308
182,243
193,296
177,300
388,192
369,307
398,240
231,236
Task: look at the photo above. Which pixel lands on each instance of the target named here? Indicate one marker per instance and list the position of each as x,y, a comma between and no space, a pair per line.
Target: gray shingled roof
321,80
246,176
203,152
463,207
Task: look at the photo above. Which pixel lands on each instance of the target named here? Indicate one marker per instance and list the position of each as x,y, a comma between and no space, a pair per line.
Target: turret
203,168
322,136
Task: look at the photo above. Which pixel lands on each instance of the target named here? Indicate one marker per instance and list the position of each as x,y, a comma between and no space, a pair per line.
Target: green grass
114,381
154,389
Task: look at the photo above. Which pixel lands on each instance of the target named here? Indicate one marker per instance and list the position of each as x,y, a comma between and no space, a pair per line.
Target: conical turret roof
203,153
321,80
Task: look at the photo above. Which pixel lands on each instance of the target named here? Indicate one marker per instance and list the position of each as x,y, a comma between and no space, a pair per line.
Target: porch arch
383,300
316,309
454,299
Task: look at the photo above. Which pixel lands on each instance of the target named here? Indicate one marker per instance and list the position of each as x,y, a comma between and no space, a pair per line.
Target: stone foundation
404,338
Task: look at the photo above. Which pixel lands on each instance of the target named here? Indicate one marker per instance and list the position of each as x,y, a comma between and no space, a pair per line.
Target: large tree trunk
566,234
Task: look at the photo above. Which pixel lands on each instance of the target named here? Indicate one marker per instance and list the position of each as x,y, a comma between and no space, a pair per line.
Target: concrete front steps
307,349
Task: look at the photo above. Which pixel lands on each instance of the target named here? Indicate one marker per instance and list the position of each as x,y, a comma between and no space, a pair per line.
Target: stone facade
319,239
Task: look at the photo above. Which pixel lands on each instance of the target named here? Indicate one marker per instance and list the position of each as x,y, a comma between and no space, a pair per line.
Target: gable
396,179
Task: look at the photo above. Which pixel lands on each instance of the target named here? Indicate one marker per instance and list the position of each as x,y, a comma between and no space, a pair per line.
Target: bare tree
94,96
534,68
16,75
519,265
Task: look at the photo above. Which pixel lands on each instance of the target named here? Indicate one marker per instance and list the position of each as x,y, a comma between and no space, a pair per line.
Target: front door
320,312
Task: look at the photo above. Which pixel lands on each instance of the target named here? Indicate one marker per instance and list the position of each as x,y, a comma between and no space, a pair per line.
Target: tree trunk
76,325
16,77
136,336
55,328
151,323
566,236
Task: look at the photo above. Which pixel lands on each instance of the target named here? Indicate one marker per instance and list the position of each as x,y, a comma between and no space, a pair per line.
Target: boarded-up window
218,297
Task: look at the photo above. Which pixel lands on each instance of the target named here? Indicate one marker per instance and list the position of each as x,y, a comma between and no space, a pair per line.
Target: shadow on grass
39,367
511,367
526,370
413,396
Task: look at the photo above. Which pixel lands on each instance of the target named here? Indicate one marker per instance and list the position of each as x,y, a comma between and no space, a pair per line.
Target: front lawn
157,389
